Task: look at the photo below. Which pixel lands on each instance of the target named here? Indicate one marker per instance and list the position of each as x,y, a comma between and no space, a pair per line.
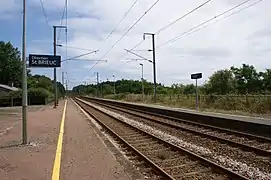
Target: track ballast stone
239,167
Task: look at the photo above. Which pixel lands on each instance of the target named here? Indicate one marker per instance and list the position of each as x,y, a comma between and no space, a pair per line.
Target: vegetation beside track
40,88
242,90
235,104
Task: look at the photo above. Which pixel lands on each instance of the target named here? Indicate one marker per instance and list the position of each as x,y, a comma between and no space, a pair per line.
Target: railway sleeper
198,172
140,144
133,158
151,146
189,171
148,150
181,165
145,140
138,138
264,146
170,160
161,155
132,135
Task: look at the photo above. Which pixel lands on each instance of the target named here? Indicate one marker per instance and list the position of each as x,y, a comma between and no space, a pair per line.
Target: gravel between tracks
251,159
242,168
159,152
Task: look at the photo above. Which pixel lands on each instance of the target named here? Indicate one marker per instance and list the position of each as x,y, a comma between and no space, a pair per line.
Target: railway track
235,145
249,142
167,160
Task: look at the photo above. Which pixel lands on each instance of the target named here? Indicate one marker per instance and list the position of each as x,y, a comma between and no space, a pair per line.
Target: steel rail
214,166
256,150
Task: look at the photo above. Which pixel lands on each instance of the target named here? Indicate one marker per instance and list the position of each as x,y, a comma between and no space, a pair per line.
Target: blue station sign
44,61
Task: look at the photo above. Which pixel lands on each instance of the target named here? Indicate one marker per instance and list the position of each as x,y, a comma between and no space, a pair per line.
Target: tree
265,78
10,65
189,89
221,82
247,79
107,89
40,81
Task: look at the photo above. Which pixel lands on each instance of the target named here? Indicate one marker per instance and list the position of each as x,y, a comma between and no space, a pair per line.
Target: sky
227,40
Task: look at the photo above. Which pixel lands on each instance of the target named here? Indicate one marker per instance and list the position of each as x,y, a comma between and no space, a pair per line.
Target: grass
249,105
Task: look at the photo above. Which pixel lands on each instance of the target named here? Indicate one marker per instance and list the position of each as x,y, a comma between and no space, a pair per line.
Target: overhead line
122,19
170,24
178,19
203,23
240,10
115,28
146,12
62,18
94,65
72,47
81,55
44,12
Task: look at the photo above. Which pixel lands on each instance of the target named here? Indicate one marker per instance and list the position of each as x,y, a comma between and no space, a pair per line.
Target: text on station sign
44,61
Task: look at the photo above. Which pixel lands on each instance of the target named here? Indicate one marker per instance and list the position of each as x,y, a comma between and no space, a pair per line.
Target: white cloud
241,38
9,8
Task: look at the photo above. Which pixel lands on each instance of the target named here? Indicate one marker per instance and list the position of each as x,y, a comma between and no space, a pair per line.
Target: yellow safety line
57,162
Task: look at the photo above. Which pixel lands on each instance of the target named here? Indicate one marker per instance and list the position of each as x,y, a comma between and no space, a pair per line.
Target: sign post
196,76
45,61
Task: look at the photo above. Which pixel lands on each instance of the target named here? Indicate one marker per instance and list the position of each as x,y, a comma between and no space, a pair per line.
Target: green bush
36,96
254,104
39,92
15,94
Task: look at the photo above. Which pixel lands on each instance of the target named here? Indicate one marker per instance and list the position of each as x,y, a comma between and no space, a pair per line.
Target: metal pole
63,82
66,81
63,78
66,85
142,82
97,84
197,94
114,85
142,85
101,89
24,79
55,84
154,66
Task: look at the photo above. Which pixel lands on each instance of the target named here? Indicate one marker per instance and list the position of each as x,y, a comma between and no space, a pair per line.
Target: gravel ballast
224,160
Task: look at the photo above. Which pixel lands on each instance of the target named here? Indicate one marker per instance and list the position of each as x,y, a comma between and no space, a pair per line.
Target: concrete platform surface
82,156
85,157
34,160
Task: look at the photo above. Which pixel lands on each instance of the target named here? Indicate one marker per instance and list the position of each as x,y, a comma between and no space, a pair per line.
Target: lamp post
142,81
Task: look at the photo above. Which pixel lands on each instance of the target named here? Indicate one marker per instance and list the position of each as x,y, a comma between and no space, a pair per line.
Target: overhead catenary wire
62,19
94,65
171,23
73,47
180,18
122,19
203,23
44,13
231,14
134,24
125,15
81,55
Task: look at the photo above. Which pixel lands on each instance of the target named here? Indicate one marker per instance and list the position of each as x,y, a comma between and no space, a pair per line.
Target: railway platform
63,145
